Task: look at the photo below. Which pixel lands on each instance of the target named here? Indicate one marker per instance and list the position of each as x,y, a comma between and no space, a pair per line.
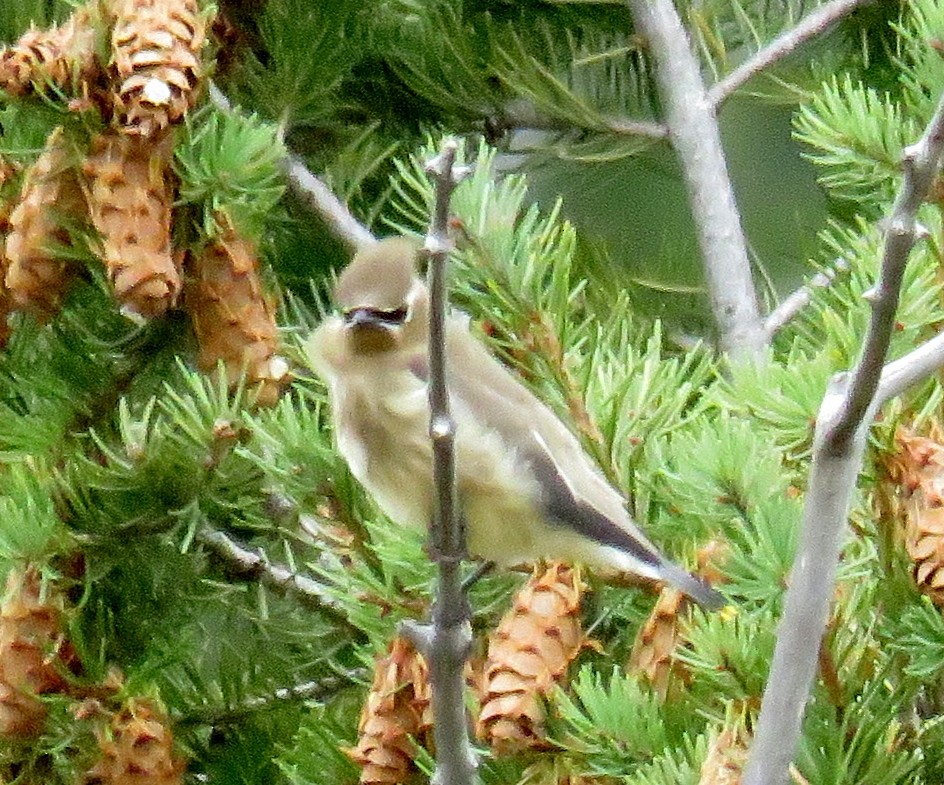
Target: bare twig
219,98
914,367
318,691
250,565
447,538
784,313
447,641
313,192
920,162
522,114
810,26
321,200
693,131
644,128
847,410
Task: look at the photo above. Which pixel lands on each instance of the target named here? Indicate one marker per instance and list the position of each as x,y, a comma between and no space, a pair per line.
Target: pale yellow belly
389,452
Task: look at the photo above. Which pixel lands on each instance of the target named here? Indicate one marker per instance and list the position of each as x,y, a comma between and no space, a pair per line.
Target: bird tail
694,587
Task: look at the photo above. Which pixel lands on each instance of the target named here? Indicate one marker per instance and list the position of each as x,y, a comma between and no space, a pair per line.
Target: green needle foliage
229,163
306,51
614,723
856,144
223,559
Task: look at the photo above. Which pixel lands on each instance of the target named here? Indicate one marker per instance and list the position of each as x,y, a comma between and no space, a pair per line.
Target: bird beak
359,317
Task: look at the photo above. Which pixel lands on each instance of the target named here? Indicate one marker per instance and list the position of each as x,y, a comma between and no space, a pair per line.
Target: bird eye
396,316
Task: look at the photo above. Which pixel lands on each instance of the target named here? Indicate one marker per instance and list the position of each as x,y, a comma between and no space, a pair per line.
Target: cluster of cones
528,657
120,188
36,660
539,637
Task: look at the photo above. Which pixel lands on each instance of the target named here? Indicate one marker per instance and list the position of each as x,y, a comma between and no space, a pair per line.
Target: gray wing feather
563,507
574,492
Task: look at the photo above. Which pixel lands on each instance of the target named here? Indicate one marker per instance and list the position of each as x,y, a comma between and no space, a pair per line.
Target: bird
526,488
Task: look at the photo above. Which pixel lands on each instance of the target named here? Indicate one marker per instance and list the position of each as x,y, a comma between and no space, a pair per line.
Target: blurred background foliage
547,83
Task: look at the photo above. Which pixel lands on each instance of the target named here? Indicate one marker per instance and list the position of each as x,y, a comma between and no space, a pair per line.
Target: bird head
382,298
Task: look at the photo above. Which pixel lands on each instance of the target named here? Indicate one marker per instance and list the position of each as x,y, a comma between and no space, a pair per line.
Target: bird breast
382,432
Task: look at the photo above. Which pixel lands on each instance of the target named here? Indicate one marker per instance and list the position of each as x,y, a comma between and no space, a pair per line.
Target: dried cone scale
7,171
653,654
50,199
137,749
919,468
156,48
62,56
726,758
528,656
232,318
129,199
31,623
397,711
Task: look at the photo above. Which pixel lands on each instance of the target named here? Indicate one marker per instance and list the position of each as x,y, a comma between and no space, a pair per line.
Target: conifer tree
197,590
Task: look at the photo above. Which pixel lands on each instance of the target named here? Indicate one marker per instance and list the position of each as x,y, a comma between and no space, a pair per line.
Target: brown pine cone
63,57
232,317
396,712
37,274
727,756
918,468
653,653
130,200
31,643
156,51
137,748
528,656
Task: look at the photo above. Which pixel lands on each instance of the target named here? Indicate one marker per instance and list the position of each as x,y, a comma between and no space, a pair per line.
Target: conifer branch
812,25
317,691
313,192
250,565
839,443
784,313
694,133
447,641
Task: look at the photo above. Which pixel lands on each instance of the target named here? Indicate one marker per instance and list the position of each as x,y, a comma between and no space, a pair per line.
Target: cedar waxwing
526,488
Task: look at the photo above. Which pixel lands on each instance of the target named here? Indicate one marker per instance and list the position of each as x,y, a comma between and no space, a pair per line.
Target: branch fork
848,408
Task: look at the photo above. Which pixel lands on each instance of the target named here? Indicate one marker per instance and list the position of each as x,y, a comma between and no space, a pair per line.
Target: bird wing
574,495
574,492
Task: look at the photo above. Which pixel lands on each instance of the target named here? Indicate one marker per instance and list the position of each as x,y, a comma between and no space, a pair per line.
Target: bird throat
371,338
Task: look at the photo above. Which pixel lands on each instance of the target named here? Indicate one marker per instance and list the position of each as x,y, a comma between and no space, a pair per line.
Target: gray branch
321,200
313,193
914,367
447,641
249,565
694,133
784,313
839,444
521,114
317,691
810,26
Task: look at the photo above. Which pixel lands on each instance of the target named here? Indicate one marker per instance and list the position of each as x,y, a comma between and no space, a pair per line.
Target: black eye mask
376,316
